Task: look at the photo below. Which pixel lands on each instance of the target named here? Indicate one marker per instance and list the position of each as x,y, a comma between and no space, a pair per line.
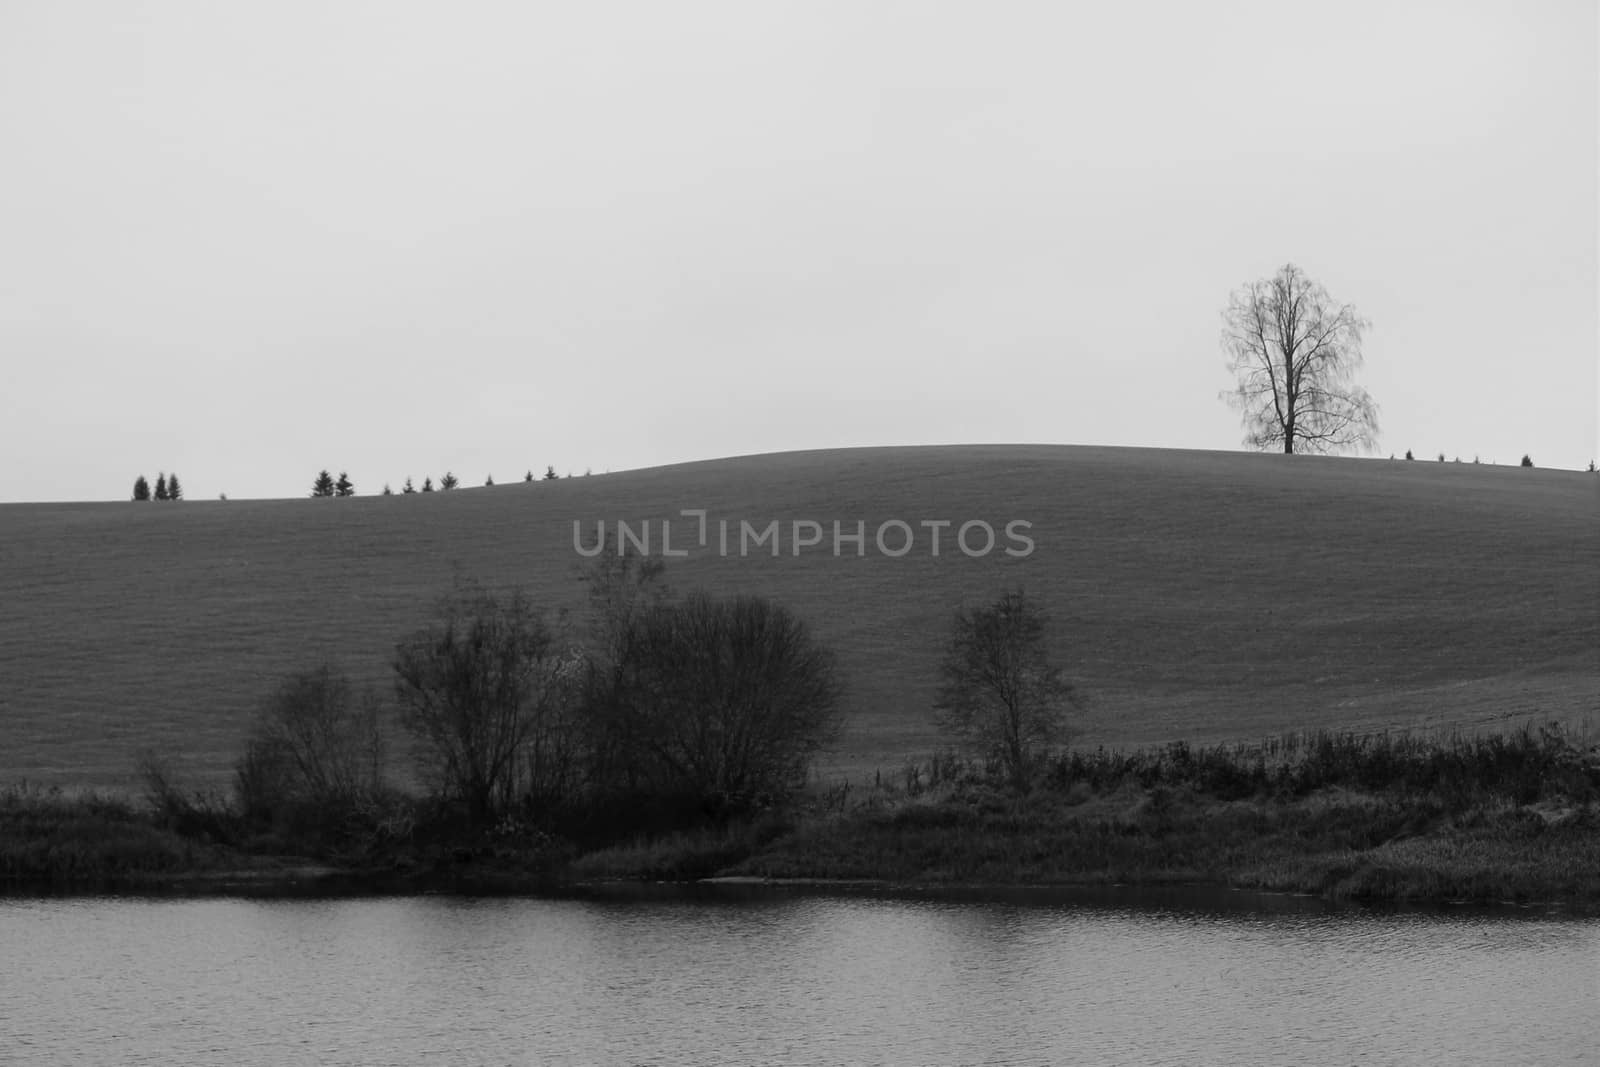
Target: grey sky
248,241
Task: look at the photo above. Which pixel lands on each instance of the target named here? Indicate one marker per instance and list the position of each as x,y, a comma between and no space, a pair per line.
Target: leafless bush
482,691
316,742
1000,694
729,700
186,809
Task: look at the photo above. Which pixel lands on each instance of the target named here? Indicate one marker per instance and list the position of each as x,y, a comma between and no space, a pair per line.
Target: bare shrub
622,590
475,689
316,742
731,700
1000,694
185,809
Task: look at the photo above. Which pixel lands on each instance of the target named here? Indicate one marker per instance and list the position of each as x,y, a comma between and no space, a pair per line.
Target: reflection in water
785,978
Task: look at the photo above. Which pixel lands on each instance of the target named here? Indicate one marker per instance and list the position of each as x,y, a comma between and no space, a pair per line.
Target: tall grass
695,853
1523,765
52,836
1381,816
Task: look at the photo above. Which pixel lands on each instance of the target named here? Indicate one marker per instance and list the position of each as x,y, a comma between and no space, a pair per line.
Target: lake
761,975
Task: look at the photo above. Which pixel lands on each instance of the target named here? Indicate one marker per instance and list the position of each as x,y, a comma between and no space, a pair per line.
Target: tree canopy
1294,352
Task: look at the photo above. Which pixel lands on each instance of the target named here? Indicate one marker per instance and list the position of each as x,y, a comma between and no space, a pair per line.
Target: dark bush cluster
668,713
718,707
693,709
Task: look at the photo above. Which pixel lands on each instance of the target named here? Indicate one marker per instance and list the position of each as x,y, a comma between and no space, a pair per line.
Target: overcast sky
246,241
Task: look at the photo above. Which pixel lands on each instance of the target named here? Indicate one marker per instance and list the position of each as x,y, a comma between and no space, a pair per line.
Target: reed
51,836
1378,817
685,854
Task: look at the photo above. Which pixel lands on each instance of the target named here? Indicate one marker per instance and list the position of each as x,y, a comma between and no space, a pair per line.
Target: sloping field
1196,594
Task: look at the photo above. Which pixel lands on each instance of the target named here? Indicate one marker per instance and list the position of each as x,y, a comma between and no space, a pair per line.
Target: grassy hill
1199,595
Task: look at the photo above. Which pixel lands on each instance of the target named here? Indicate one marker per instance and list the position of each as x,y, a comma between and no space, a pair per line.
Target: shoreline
332,884
270,877
1508,820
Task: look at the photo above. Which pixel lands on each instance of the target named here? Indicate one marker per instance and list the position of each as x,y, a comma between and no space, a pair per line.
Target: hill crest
1195,594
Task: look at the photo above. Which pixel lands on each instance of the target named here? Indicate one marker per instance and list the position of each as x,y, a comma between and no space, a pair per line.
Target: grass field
1197,595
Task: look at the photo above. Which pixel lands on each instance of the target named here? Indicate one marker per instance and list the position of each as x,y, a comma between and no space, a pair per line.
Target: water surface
786,978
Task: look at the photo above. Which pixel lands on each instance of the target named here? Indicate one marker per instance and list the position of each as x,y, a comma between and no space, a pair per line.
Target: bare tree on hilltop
1295,353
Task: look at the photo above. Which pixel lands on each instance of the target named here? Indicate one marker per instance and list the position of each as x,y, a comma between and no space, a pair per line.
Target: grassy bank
1335,842
52,837
1508,817
54,840
1388,817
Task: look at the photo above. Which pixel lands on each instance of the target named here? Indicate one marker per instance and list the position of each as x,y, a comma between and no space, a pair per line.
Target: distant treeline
447,482
168,488
325,485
